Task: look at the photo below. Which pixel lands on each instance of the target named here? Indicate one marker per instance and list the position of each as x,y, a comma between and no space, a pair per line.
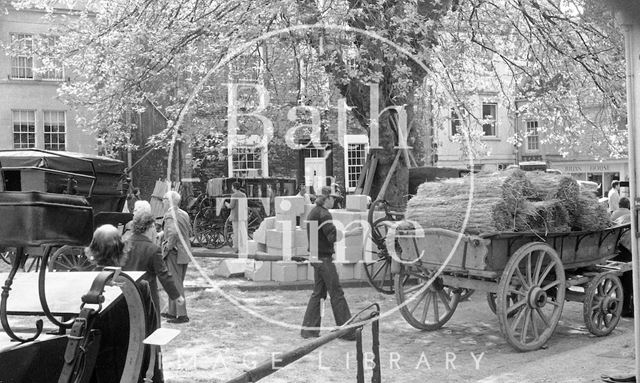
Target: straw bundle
587,214
507,201
496,197
554,186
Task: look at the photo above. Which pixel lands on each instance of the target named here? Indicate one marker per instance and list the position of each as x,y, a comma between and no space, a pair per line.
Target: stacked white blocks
286,235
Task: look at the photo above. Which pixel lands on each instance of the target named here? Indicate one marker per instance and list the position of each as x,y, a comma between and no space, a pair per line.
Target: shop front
600,172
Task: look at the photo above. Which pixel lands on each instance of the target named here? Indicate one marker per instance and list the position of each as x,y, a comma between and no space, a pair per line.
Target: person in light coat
176,252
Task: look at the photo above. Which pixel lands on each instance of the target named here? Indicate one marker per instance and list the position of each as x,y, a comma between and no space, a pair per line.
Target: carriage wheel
424,308
379,273
202,227
70,258
602,305
536,276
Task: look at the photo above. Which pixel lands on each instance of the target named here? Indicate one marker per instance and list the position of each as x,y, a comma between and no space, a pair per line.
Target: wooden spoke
434,313
516,322
379,274
545,273
427,303
522,279
525,327
516,306
537,280
519,295
529,272
543,317
445,299
418,300
533,325
550,285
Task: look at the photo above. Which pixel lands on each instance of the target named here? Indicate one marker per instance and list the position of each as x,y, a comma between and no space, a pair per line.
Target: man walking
239,216
176,249
325,274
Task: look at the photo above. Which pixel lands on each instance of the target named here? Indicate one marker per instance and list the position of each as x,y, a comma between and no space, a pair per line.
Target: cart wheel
602,305
70,258
536,276
202,226
424,308
215,237
379,273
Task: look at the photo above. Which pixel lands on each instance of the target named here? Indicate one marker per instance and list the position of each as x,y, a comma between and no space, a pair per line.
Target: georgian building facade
31,114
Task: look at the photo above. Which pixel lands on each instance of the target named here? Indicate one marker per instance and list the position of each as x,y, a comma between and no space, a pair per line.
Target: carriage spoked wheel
602,305
535,275
377,265
70,258
204,229
378,271
425,308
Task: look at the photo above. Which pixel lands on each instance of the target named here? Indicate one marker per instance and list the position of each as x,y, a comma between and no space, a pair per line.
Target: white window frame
532,135
48,123
244,142
354,139
56,73
22,62
27,127
494,120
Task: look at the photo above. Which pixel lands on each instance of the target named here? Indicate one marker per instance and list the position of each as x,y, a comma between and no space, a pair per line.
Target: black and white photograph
312,191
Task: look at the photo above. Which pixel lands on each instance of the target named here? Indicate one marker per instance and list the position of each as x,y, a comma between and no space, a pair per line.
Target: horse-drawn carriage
51,202
93,184
210,216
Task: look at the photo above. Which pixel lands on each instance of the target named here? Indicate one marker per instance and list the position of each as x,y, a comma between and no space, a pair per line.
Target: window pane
533,142
356,154
489,112
54,130
22,60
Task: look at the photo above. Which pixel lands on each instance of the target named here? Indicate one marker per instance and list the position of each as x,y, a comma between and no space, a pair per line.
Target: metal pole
631,31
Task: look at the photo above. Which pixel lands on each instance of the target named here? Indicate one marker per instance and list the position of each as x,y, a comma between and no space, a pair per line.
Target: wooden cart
526,276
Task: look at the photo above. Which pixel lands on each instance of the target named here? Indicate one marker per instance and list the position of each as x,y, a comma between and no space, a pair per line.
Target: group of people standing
162,256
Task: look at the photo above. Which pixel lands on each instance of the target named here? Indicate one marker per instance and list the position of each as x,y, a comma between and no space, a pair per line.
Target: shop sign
592,168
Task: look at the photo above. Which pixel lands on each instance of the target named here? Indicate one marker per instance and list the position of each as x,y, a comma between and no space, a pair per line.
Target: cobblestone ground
222,340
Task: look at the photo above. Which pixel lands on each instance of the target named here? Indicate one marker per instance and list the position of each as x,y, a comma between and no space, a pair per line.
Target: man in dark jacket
325,274
144,255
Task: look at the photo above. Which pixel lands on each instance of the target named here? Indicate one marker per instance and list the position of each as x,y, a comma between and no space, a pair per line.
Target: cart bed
486,255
